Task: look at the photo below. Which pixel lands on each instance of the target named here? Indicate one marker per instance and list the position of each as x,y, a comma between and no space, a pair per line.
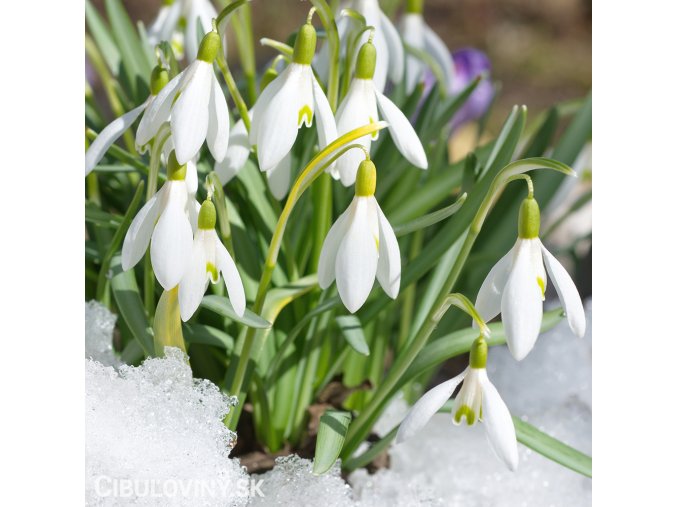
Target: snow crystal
292,482
155,436
99,325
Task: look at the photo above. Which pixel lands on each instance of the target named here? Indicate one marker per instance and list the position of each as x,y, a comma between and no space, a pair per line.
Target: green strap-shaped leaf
104,40
223,307
430,218
551,448
126,294
330,437
207,335
352,331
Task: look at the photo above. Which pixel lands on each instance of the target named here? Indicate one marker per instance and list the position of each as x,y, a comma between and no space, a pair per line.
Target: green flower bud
175,171
478,353
365,182
304,47
268,76
207,218
209,47
414,7
366,61
158,79
529,219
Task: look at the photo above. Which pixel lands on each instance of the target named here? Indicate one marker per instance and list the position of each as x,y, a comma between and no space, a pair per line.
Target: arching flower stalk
167,222
292,99
361,106
195,105
360,247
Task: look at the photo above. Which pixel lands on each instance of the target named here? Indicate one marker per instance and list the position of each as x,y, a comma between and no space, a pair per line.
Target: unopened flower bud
159,77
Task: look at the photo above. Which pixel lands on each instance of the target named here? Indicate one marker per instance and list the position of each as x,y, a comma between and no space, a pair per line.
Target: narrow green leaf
430,218
95,215
330,437
126,294
131,52
352,331
104,40
551,448
223,307
207,335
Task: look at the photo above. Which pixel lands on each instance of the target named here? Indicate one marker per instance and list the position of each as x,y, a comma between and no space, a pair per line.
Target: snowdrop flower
194,104
239,147
292,99
359,107
167,221
194,13
208,259
117,127
361,246
478,399
386,39
515,287
419,35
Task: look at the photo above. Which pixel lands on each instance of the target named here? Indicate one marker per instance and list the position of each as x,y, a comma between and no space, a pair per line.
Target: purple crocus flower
468,63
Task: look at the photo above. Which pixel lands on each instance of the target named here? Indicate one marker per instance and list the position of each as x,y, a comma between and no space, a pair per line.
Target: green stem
221,212
234,92
327,17
409,296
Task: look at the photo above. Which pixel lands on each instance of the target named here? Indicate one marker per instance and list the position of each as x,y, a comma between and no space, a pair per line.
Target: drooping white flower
208,259
176,13
515,287
417,34
167,222
195,105
386,39
361,246
294,98
239,147
478,399
361,106
117,127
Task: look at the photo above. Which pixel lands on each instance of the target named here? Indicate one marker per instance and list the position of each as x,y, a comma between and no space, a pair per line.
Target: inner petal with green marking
305,116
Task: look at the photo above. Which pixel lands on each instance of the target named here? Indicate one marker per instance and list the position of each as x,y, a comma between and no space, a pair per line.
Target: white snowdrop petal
263,102
219,122
567,292
140,230
279,177
109,135
488,302
357,259
237,153
326,269
412,32
194,282
190,114
159,109
357,109
439,51
419,415
231,277
521,304
172,240
191,177
277,124
193,211
403,133
395,49
389,269
498,424
324,119
165,23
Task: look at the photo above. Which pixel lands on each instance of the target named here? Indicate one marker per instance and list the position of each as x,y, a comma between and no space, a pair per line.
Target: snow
157,425
99,325
156,422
